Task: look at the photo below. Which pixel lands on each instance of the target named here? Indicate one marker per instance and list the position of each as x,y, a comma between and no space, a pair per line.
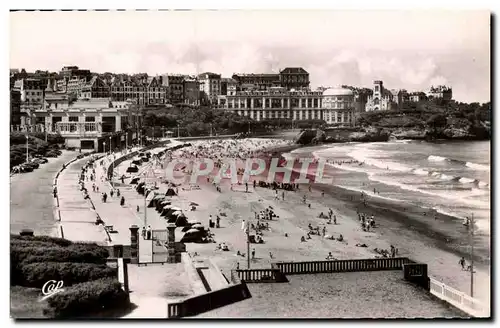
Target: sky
409,50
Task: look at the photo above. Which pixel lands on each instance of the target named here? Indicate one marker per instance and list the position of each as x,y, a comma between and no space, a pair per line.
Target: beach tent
192,236
170,192
160,205
181,221
197,226
157,198
186,228
177,213
168,211
132,169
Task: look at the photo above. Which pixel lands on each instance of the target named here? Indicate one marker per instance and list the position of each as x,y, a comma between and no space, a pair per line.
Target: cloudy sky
411,50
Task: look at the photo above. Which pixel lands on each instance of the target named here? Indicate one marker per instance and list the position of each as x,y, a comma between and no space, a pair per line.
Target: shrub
37,274
54,240
73,253
87,298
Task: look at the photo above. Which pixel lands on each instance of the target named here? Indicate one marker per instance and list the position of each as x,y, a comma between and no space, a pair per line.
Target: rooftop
337,92
294,70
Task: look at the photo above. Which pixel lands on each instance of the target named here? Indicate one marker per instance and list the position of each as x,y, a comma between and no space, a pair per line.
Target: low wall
194,278
228,136
209,301
342,265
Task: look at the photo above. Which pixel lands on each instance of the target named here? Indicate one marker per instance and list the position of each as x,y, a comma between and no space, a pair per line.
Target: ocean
452,178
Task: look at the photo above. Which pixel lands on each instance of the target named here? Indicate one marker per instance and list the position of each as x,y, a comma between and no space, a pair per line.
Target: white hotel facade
334,105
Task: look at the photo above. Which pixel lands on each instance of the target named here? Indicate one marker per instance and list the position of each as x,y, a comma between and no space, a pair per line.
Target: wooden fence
209,301
459,299
261,275
342,265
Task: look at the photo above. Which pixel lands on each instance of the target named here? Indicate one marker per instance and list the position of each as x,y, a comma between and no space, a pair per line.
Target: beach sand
406,229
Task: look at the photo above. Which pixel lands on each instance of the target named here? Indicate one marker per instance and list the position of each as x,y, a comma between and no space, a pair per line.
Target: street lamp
471,242
27,147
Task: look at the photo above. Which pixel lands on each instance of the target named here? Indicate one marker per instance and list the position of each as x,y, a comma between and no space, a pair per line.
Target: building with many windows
294,78
191,91
31,90
257,81
288,78
210,86
338,107
95,88
175,87
85,123
275,103
440,92
417,96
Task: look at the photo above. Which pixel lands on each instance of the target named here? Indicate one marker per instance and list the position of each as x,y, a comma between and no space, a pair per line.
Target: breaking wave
475,166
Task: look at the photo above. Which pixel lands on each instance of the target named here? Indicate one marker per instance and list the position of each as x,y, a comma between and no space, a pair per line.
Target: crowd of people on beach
218,150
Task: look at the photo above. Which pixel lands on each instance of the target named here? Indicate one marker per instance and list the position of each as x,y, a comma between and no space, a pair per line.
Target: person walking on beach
324,231
253,254
243,225
122,201
462,263
148,233
246,186
111,192
334,219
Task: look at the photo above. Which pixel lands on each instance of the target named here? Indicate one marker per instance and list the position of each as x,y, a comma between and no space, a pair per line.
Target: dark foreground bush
43,253
57,241
87,298
37,274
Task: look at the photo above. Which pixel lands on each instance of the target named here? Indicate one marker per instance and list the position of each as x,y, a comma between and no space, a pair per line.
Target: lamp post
248,243
471,242
27,147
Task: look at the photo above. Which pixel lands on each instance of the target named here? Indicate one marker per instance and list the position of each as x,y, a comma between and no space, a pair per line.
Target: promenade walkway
76,214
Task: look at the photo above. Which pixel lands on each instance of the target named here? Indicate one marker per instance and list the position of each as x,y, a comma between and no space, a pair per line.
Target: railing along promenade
395,263
260,275
458,299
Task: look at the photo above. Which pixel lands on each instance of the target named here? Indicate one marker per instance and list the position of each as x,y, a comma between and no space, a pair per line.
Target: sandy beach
402,226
